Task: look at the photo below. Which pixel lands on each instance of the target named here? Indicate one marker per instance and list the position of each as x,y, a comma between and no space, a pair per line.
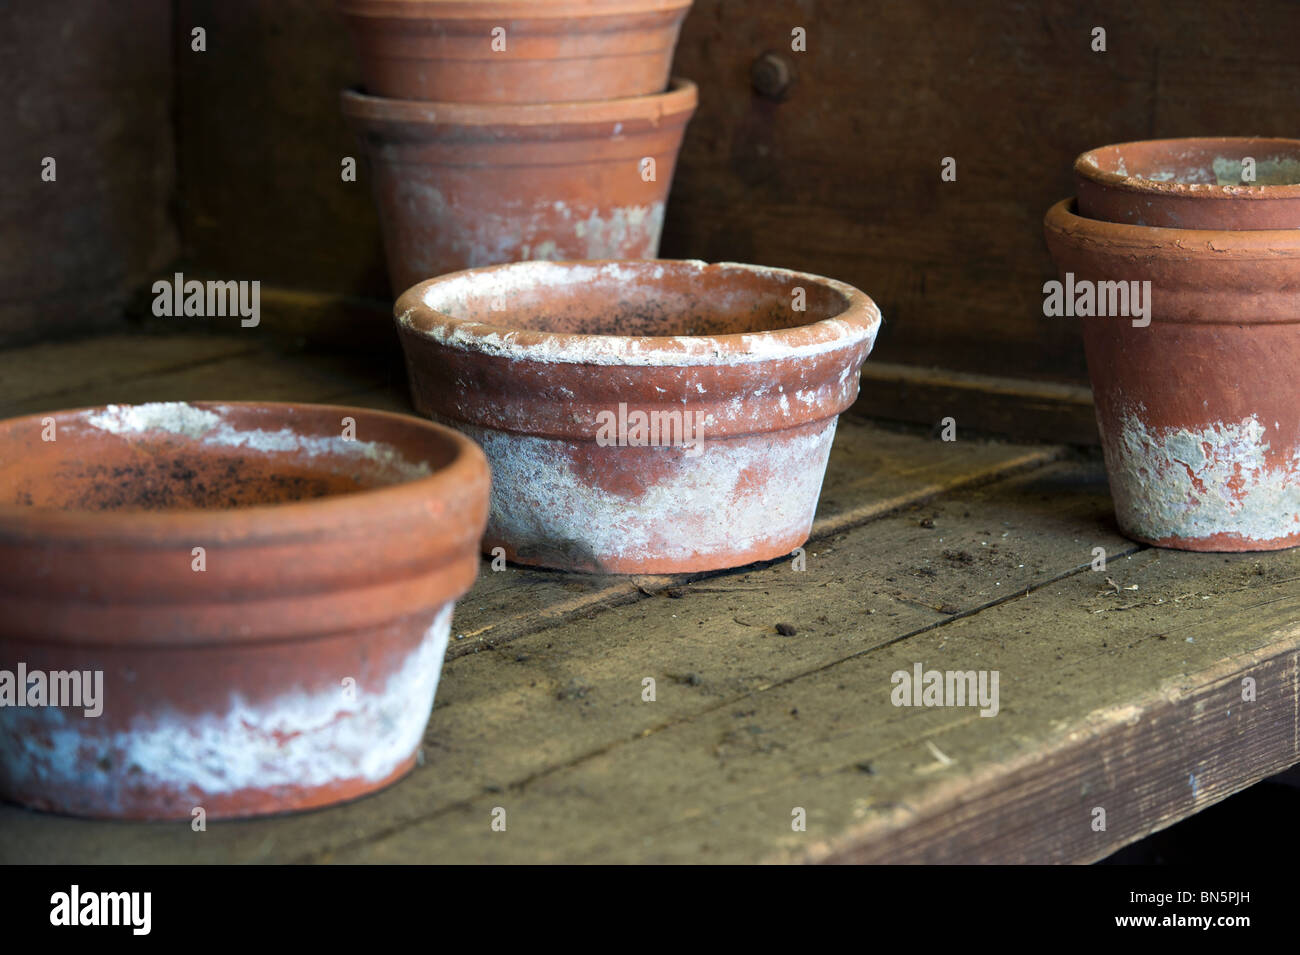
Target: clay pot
641,417
461,186
1199,411
289,663
1192,183
541,52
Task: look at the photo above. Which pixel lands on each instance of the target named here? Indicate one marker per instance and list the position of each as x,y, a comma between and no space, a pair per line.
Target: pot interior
650,298
178,456
1212,162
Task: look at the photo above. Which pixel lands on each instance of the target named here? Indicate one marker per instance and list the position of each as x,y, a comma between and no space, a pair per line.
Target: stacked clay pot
1198,402
508,130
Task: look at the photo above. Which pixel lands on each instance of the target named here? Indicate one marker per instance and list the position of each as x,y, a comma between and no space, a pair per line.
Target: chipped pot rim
1174,244
303,519
674,105
509,9
858,322
1089,166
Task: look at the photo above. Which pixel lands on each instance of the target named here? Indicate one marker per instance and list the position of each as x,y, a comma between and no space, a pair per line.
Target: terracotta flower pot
1192,183
1199,411
641,417
515,51
265,601
460,186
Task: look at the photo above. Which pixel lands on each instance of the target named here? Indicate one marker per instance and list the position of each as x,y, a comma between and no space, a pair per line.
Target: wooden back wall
226,162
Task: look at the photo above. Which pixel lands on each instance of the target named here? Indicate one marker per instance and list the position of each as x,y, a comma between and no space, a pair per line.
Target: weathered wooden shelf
1120,690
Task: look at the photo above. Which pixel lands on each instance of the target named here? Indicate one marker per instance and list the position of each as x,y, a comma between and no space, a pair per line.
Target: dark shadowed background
225,164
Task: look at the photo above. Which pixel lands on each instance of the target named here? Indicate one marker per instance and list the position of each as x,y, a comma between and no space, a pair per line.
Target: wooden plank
1097,712
62,374
1183,79
385,397
288,316
872,471
88,85
842,177
1148,762
561,696
246,375
1047,411
271,203
331,320
868,464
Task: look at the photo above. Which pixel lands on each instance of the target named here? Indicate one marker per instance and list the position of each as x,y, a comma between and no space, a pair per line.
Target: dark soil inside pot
180,482
678,302
181,457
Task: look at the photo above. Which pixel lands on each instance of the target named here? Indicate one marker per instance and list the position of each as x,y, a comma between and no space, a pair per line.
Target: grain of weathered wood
207,368
61,374
1149,729
842,176
558,697
287,316
748,723
1148,763
1047,411
88,85
872,471
260,145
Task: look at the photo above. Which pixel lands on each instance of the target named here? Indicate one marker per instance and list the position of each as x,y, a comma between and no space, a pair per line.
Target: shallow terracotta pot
267,602
1192,183
460,186
1199,411
641,417
514,51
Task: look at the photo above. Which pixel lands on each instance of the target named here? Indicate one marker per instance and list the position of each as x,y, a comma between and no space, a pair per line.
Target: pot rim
1180,244
859,321
306,519
678,102
510,9
1086,167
